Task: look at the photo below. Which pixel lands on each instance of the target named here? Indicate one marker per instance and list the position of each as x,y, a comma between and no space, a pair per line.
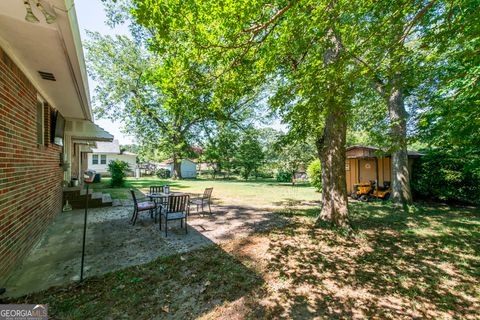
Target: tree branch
417,17
256,29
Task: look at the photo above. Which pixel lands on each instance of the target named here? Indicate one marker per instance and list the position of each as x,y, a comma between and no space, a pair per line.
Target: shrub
447,176
284,176
314,172
163,173
118,170
264,174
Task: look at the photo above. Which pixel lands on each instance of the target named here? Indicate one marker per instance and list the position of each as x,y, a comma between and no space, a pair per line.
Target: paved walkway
113,243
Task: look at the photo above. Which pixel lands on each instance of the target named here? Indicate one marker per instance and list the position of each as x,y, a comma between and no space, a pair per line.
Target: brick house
46,126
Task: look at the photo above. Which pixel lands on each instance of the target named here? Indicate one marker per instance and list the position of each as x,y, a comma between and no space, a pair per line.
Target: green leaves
249,155
118,170
164,102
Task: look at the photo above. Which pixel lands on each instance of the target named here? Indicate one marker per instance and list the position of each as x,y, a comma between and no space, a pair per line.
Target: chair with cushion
176,208
149,206
203,200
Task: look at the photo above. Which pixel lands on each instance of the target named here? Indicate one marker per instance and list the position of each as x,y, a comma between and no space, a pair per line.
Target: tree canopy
399,71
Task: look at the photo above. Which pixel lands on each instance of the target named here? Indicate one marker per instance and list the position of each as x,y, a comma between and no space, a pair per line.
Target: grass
263,193
180,286
425,264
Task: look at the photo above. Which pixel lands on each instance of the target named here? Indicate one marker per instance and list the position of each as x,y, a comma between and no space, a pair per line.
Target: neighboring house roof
370,150
358,146
197,150
107,147
111,148
128,153
170,161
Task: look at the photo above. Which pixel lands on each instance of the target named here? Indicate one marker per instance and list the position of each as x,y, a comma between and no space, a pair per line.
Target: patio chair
158,201
206,198
156,189
149,206
176,209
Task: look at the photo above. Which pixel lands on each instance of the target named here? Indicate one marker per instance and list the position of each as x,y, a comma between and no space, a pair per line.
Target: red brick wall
30,174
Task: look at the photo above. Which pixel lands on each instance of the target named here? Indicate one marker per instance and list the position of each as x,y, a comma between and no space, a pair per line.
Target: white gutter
81,85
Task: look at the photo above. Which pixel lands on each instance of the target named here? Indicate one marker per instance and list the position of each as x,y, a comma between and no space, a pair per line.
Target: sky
91,16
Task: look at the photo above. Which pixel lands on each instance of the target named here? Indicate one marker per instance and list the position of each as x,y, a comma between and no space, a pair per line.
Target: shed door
368,170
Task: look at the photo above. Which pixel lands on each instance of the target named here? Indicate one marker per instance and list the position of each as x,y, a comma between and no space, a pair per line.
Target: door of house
367,170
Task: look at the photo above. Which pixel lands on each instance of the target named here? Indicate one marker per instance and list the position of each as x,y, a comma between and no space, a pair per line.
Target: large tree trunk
331,151
401,192
331,146
177,167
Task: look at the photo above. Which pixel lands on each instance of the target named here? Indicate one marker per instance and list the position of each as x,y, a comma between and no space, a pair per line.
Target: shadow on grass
398,265
182,286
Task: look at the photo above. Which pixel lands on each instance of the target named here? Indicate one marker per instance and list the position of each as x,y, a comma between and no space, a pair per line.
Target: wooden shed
363,165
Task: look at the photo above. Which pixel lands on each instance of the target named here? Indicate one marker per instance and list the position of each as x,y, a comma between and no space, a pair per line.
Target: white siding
189,169
103,168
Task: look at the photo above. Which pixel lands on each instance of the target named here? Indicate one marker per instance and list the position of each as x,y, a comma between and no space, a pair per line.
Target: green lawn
425,264
263,193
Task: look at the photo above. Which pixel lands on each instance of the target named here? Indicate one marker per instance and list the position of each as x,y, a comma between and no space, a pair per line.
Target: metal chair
141,206
156,189
206,198
176,208
158,201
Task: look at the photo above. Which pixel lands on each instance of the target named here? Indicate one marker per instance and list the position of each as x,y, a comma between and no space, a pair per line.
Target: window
103,159
95,159
40,122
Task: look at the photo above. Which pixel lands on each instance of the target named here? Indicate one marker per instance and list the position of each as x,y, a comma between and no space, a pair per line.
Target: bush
314,172
284,176
118,170
163,173
264,174
447,176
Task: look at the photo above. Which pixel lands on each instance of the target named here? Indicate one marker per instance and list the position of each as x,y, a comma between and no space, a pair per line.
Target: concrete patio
113,243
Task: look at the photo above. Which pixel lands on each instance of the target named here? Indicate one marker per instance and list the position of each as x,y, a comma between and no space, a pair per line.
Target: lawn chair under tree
176,208
144,206
203,200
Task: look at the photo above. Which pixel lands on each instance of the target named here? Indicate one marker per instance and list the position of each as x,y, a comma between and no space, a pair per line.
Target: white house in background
105,152
188,167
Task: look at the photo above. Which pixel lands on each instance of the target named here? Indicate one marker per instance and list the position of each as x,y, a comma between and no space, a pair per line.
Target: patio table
157,195
161,197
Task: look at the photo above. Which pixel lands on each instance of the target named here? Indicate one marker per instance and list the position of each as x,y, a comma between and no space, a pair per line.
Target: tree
258,43
293,155
450,119
249,155
313,57
269,138
402,59
164,104
221,148
118,170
